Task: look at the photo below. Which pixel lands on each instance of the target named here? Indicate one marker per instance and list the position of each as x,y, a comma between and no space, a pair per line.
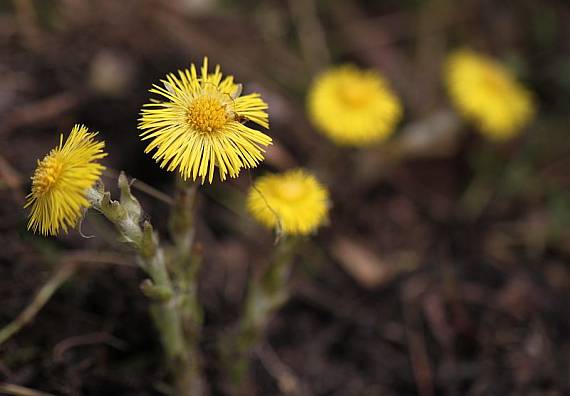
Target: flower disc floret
207,115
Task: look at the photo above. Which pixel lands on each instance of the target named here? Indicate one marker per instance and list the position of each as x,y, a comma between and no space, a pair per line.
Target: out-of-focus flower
353,107
486,93
293,202
200,125
61,180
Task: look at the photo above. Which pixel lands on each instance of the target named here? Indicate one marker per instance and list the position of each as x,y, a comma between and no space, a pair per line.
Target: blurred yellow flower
487,93
61,180
200,125
353,107
293,202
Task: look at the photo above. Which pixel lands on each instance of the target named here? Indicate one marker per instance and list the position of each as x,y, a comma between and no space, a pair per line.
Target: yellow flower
200,125
353,107
293,202
487,94
61,180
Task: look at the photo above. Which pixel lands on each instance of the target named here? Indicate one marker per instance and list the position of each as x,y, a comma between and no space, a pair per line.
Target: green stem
186,263
186,260
161,290
265,295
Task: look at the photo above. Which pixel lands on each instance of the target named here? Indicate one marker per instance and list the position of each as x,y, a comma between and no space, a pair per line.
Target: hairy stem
186,262
265,295
186,258
160,288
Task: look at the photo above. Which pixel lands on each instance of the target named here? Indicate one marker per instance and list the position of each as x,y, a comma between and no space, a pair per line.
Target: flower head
61,180
487,94
293,202
353,107
198,125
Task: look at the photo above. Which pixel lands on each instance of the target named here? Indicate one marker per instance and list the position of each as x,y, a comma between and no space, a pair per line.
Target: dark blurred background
444,270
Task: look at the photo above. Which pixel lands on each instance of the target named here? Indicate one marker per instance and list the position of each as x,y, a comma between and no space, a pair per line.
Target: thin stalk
17,390
63,273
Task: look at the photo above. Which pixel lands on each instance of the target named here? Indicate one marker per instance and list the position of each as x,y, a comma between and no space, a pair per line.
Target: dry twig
61,275
39,111
17,390
287,381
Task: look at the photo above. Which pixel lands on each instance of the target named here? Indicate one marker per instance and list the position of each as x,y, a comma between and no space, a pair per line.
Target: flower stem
159,288
186,258
185,264
265,295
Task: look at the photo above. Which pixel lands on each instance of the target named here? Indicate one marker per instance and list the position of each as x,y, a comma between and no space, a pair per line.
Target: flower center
46,175
355,94
207,114
290,190
494,81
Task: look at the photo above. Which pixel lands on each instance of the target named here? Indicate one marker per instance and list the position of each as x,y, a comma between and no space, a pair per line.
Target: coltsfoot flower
353,107
60,181
486,93
198,125
293,202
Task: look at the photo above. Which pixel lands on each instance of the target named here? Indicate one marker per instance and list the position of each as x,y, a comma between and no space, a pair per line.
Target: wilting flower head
353,107
199,124
293,202
61,180
487,94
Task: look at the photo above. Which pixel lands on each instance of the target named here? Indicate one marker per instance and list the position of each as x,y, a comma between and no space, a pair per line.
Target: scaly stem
265,295
160,288
186,262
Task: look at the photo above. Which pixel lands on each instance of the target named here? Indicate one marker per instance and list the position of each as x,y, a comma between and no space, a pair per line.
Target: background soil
447,273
